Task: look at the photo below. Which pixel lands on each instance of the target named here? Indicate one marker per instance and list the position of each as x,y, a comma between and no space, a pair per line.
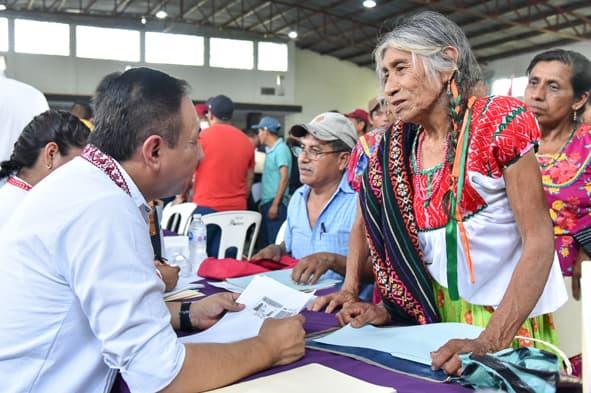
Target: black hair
82,110
581,69
102,86
61,127
135,105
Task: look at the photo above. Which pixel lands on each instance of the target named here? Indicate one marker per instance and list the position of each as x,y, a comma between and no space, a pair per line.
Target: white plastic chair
281,233
234,225
177,218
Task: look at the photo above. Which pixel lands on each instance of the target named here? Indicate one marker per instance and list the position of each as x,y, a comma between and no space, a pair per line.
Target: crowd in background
435,203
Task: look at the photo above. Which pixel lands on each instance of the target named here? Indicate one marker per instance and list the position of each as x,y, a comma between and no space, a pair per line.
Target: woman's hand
447,357
334,300
359,314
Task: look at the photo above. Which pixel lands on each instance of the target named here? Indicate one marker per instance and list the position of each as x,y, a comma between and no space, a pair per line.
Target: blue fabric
271,227
278,156
381,359
521,370
332,230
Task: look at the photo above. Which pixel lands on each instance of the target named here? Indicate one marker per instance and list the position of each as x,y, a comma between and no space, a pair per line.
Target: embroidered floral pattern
106,164
567,182
15,181
375,206
496,141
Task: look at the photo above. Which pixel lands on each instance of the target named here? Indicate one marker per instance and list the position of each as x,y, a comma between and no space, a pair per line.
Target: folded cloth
220,269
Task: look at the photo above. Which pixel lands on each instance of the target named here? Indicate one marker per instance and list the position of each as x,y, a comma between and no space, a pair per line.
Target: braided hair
62,128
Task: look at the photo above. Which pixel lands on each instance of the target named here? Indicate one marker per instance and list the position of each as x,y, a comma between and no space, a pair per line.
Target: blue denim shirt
332,229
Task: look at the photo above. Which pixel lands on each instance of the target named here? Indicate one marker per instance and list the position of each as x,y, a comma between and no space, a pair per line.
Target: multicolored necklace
556,156
434,174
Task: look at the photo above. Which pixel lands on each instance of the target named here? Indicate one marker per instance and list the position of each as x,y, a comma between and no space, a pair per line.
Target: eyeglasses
313,153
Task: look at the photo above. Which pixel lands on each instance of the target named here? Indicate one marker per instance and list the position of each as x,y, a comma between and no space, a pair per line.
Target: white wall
324,83
517,65
317,83
72,75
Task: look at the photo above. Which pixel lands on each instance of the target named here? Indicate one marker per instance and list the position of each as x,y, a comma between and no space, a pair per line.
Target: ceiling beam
224,8
157,7
528,49
461,9
89,6
252,11
522,19
519,37
195,7
121,7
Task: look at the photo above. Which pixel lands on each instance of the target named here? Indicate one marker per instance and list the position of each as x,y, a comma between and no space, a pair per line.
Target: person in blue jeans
275,182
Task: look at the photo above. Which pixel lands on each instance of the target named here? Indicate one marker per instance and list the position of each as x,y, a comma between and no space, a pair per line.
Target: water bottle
197,242
178,259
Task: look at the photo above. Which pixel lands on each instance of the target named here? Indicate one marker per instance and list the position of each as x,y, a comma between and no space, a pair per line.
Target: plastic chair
177,218
281,233
234,225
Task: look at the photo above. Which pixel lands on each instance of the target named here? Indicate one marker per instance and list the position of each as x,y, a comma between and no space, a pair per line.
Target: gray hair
426,35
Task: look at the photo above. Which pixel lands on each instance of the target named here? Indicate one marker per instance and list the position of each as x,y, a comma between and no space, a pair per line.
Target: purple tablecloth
319,321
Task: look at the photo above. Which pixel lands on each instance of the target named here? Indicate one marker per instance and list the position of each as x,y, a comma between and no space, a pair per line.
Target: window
174,49
43,38
509,86
3,35
226,53
272,56
106,43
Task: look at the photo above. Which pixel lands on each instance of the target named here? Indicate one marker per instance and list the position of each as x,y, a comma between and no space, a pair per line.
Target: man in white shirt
19,103
80,298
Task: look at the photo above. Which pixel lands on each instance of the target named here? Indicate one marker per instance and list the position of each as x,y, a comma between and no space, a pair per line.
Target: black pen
322,229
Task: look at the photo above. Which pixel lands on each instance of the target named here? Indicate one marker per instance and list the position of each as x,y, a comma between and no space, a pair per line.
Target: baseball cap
375,102
221,106
201,110
269,123
328,126
359,114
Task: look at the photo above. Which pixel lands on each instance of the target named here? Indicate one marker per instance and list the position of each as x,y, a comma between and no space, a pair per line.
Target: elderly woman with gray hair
452,200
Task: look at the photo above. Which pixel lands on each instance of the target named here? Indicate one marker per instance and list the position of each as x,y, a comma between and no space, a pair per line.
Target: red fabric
220,178
220,269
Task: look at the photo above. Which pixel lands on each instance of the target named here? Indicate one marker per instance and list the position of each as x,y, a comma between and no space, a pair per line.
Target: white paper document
409,342
284,277
264,298
311,378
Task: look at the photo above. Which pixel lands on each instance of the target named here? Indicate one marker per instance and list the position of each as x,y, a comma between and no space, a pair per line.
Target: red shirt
220,178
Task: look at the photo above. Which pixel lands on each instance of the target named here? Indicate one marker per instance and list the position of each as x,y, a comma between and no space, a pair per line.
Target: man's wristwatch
185,317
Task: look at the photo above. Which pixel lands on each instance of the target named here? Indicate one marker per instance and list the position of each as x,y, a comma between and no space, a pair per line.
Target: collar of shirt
136,195
277,142
344,187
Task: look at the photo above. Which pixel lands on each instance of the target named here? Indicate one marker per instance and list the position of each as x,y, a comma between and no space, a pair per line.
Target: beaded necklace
555,157
434,174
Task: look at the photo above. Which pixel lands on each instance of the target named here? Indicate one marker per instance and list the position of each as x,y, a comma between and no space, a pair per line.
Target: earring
49,166
574,116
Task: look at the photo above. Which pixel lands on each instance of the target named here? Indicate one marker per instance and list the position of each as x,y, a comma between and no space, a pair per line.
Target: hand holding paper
208,311
263,298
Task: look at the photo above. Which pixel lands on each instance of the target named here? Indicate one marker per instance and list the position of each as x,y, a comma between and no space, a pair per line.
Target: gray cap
328,126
